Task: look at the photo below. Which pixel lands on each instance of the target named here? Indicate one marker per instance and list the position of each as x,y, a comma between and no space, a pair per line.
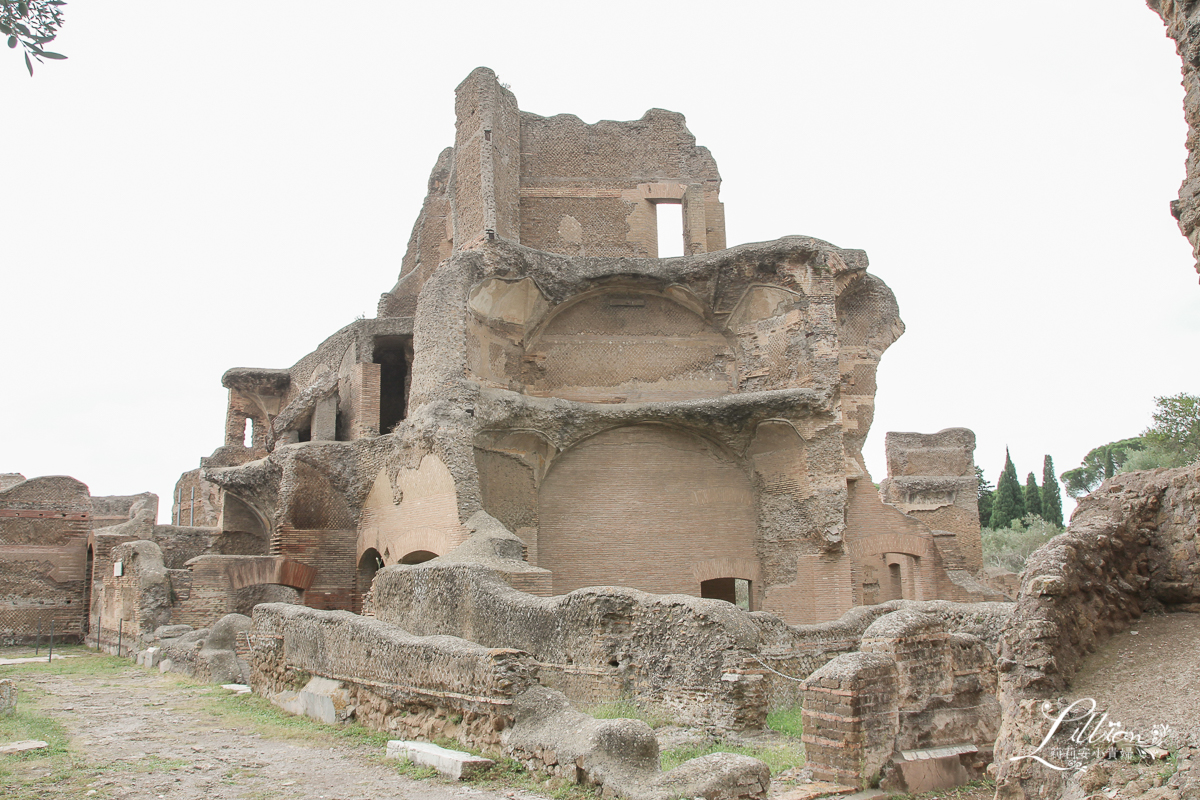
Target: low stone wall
1130,548
425,687
700,662
416,686
913,686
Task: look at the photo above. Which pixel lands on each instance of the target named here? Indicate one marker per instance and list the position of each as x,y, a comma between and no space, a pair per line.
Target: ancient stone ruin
555,471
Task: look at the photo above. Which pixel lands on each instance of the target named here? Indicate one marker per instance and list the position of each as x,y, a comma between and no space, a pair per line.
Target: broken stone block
149,657
451,763
8,697
322,699
19,747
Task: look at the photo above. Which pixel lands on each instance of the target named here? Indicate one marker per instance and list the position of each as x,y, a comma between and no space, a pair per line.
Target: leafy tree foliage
1176,427
1099,465
1172,441
1033,496
32,24
1009,547
1008,503
1051,495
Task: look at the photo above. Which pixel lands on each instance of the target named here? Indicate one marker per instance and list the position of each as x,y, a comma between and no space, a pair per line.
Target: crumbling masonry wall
1130,548
699,661
489,698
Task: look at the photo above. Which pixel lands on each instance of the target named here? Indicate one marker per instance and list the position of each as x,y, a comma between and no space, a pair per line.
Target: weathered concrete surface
441,686
1182,18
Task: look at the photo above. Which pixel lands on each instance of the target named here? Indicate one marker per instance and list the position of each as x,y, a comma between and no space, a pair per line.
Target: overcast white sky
208,185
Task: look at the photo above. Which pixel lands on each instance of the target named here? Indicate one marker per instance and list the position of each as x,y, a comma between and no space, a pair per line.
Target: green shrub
1010,547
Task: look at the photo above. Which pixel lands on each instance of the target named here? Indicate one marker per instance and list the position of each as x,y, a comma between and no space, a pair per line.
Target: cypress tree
985,492
1009,501
1051,496
1033,496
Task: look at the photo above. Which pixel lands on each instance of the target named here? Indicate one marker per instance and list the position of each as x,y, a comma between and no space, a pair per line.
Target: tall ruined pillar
485,183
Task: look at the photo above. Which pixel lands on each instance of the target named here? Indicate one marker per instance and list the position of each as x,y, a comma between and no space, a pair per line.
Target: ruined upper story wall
1182,18
487,158
557,184
592,189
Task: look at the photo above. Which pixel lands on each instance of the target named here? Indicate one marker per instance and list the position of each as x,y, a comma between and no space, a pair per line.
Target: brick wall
44,526
914,684
850,718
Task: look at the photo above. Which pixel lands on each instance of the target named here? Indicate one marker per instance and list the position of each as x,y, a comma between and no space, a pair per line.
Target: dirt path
140,734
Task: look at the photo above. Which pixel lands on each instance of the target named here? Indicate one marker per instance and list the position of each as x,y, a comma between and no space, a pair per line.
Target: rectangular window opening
670,229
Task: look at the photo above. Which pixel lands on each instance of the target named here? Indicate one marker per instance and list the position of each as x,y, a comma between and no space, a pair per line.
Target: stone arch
640,505
369,563
629,342
719,577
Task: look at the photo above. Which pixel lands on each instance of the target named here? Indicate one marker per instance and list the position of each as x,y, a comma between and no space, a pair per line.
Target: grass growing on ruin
625,708
511,774
779,757
787,721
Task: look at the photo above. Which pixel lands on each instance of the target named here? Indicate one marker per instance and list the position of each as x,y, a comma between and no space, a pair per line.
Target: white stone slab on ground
18,747
451,763
4,662
236,688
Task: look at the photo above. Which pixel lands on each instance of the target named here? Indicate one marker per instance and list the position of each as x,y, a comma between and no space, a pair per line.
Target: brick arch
249,571
877,545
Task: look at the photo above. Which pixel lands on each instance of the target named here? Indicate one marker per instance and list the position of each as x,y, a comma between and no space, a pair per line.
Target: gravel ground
149,735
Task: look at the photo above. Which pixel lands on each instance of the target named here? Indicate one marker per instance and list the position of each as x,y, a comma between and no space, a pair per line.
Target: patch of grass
787,721
1170,766
155,763
417,772
37,774
260,715
82,662
626,708
508,773
972,789
778,757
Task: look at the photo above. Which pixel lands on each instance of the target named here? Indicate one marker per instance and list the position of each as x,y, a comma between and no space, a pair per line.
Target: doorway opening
731,590
393,355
